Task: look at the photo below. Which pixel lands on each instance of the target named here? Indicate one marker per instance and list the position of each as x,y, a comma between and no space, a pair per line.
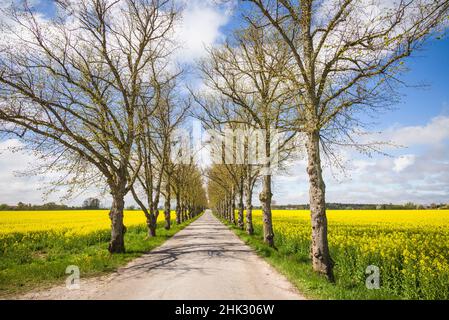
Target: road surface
204,261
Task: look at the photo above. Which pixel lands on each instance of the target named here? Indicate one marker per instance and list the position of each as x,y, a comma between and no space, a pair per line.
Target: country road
204,261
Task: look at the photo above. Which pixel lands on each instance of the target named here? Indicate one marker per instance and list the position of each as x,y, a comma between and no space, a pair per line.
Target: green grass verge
296,266
41,262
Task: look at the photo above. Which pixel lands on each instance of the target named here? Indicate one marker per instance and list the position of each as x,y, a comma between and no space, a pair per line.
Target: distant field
410,247
68,222
37,246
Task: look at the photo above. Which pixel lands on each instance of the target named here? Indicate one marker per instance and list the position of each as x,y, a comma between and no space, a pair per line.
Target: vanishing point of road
204,261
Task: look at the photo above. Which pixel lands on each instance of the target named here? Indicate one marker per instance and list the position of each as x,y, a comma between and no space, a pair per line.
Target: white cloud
14,188
421,176
200,28
403,162
435,132
16,185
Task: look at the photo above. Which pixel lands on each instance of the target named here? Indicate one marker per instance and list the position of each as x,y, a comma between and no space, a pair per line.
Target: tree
346,55
153,146
248,71
251,176
196,196
73,85
220,190
224,144
170,118
178,178
91,203
187,185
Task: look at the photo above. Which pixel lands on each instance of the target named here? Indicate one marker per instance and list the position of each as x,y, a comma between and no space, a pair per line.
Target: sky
416,172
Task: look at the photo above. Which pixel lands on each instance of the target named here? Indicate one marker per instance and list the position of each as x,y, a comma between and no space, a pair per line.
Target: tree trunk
151,228
167,212
117,243
222,210
190,212
184,212
241,206
249,207
178,209
151,223
232,205
226,209
321,259
167,207
265,199
183,217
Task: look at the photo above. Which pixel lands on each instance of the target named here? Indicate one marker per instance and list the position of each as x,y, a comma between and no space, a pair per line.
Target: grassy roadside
297,268
42,261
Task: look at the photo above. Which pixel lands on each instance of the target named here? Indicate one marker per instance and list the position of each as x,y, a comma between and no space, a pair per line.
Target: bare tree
224,142
196,195
187,185
153,145
346,55
220,190
76,82
171,118
248,71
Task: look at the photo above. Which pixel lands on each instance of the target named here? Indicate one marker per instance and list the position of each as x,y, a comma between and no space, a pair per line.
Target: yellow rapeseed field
37,246
77,222
411,247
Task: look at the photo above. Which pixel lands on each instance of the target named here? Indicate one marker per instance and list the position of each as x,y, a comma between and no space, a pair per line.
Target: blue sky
419,172
416,171
429,66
